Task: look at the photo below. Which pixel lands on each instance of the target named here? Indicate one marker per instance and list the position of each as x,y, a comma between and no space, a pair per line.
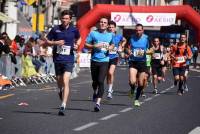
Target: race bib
114,51
138,53
180,59
63,50
105,46
157,56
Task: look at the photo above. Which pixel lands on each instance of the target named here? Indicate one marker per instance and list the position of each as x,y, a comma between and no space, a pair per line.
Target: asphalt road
33,109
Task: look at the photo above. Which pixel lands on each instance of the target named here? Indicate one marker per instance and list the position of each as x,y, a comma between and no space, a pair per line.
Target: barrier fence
24,71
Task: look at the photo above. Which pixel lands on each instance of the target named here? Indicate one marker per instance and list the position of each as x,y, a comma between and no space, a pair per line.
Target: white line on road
85,126
195,131
1,118
84,82
109,116
148,99
163,91
156,95
114,115
195,70
126,110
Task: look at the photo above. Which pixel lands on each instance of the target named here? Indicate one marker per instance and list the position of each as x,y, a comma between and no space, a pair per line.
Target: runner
165,61
180,52
100,41
195,51
157,62
139,44
64,38
148,73
119,42
185,87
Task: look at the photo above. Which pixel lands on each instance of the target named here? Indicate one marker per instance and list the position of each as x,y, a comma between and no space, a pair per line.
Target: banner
146,19
84,60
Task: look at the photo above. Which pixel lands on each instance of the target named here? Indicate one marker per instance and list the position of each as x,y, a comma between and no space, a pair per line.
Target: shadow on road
35,112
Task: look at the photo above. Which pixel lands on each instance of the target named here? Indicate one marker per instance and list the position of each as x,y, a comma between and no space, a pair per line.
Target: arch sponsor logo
147,19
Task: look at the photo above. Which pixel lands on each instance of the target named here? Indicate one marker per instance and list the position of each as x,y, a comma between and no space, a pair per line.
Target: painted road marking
195,131
126,110
84,82
1,118
114,115
108,117
157,95
85,126
6,96
148,99
163,91
196,70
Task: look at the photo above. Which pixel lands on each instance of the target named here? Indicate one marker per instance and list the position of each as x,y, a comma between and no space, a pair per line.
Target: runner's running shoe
136,103
186,88
97,108
109,96
61,111
155,91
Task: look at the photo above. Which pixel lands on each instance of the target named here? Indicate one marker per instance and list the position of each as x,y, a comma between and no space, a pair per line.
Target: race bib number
156,56
138,53
114,51
180,59
63,50
105,46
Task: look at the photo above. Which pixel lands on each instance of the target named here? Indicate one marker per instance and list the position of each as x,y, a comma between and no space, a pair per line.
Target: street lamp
53,4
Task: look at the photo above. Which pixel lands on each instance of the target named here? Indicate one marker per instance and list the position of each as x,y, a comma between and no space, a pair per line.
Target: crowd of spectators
23,58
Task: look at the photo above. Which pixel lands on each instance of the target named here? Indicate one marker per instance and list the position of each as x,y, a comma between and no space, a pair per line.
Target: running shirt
63,53
138,47
157,56
179,52
116,40
96,37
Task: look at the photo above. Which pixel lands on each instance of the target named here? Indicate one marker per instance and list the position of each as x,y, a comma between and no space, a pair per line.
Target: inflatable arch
183,12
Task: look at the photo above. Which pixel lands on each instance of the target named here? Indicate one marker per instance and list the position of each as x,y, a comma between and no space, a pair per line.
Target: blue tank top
138,47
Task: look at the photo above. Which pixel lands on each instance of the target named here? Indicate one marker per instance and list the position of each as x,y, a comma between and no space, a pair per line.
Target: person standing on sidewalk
64,38
119,42
100,41
139,43
180,53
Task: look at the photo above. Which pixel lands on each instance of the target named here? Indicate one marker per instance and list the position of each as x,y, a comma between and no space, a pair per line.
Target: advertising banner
146,19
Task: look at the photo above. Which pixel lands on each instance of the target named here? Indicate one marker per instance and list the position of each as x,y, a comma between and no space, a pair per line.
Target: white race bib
138,53
157,56
180,59
114,51
63,50
105,46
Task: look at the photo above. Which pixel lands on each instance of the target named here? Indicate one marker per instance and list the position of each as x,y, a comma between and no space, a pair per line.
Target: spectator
3,46
195,51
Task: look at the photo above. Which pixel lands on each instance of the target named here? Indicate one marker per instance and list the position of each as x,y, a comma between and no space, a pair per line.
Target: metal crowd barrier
14,72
